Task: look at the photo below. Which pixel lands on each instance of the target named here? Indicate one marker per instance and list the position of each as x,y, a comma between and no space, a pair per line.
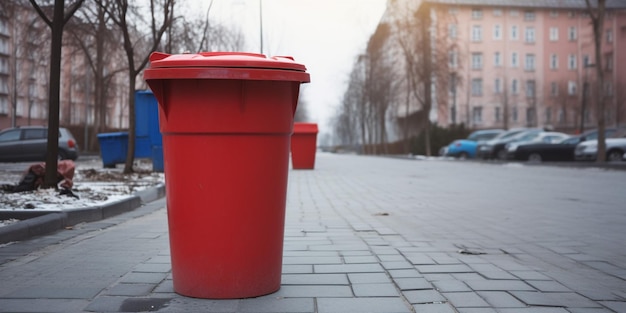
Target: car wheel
534,158
614,156
501,154
463,155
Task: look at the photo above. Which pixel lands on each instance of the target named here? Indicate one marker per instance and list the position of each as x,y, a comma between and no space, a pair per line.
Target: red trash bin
303,145
226,120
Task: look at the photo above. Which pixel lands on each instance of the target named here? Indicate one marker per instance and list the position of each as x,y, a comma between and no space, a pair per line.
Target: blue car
466,148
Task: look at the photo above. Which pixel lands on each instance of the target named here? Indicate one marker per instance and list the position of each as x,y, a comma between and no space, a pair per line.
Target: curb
41,223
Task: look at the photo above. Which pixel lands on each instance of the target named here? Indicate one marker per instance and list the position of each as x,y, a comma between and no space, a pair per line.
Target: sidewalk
368,234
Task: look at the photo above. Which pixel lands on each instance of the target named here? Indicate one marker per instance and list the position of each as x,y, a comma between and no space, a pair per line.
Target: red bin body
226,120
304,145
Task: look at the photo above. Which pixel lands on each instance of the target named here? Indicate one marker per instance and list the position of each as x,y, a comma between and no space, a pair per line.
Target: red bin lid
305,128
224,65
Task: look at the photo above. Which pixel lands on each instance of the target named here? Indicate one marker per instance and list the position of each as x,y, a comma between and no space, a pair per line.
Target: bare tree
424,48
596,13
92,32
56,24
129,21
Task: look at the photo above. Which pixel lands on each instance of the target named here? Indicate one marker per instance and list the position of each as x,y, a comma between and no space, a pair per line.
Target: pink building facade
529,64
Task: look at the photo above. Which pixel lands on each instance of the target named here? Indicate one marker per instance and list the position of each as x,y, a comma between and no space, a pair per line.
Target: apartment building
525,63
24,78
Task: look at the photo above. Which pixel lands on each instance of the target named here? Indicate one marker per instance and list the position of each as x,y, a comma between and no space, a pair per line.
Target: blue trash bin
157,159
113,148
147,134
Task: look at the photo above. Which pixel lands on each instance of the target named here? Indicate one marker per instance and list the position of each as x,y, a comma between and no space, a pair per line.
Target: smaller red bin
304,145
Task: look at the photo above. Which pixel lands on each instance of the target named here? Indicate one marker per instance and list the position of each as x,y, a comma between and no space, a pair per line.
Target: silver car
29,143
588,150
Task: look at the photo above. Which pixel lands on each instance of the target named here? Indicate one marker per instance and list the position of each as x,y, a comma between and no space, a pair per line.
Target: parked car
532,138
588,150
29,143
466,148
556,152
495,148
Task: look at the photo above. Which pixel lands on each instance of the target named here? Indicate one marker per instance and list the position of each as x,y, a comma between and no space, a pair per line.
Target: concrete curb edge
41,223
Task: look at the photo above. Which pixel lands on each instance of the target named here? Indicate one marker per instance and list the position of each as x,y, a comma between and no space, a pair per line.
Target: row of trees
113,37
379,94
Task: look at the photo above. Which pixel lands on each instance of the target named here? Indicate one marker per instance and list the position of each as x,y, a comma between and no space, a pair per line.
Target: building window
514,32
554,33
514,87
497,32
529,16
572,33
514,114
497,12
498,114
477,61
554,13
608,89
514,12
477,33
530,116
554,89
453,58
571,62
477,87
452,11
514,59
530,89
609,35
477,114
497,86
554,61
452,31
529,65
609,61
497,59
571,14
477,14
530,35
586,60
571,88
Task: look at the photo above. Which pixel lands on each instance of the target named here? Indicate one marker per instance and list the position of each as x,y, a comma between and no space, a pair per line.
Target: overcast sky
324,35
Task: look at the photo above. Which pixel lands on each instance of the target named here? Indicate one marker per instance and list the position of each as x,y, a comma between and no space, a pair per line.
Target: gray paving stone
348,268
131,290
312,260
437,277
404,273
106,304
298,291
465,300
360,259
548,286
297,269
276,305
56,292
561,299
151,278
43,305
166,286
413,283
153,268
375,290
369,278
453,268
476,310
530,275
423,296
588,310
391,257
360,305
499,285
433,308
450,286
533,310
617,306
315,279
419,259
394,265
501,299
